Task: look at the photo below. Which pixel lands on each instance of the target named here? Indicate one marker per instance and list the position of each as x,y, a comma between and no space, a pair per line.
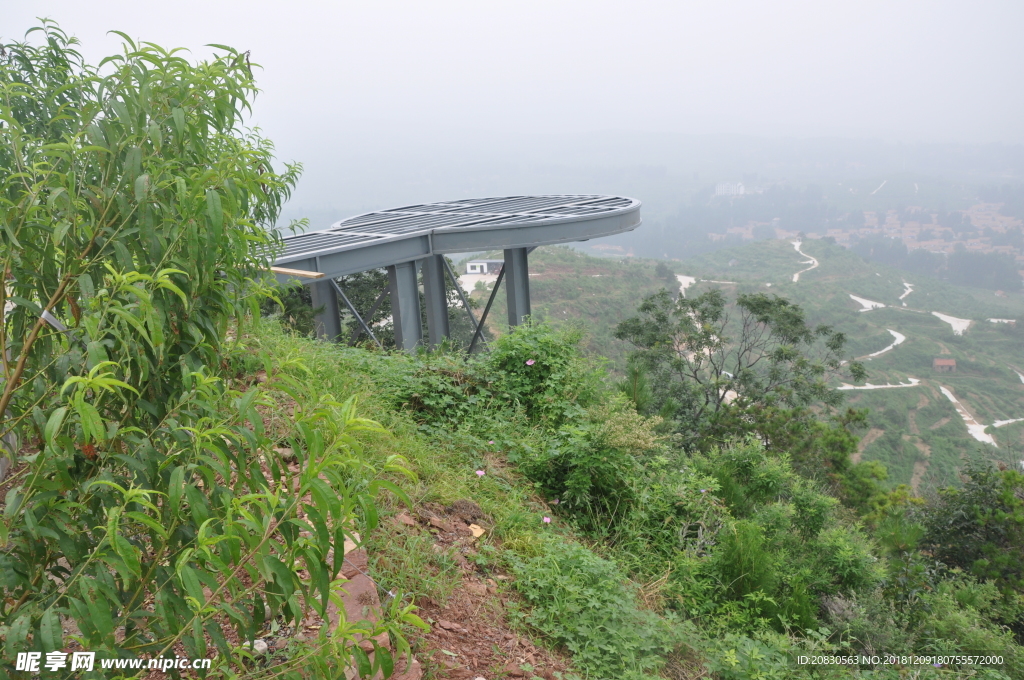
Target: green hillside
915,431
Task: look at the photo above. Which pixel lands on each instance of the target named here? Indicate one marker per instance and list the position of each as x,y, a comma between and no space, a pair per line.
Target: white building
484,266
729,189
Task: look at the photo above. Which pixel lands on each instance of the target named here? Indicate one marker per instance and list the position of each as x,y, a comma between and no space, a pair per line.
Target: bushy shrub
785,548
544,371
738,657
592,465
583,602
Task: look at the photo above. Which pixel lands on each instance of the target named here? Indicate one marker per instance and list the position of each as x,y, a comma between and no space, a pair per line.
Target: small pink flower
491,442
554,502
480,473
703,490
530,362
547,520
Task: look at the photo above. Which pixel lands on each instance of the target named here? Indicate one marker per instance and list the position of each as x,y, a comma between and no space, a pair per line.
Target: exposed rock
441,525
355,562
514,671
259,647
287,454
413,671
406,519
476,589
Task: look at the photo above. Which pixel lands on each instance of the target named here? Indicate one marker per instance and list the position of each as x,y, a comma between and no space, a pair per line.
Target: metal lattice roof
400,234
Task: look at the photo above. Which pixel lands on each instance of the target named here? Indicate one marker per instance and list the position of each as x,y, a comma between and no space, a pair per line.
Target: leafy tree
709,359
135,215
980,528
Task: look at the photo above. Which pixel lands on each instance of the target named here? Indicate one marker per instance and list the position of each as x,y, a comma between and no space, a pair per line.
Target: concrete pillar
517,285
328,322
435,299
405,305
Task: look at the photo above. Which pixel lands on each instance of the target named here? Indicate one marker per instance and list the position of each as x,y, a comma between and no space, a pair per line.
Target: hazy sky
340,78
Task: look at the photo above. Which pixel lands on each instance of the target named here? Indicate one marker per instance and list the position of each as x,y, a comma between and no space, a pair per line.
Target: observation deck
415,238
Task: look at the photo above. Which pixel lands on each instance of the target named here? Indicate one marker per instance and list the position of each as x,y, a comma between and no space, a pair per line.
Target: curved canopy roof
387,237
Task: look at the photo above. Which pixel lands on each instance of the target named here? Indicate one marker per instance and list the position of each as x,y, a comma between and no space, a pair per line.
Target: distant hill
915,430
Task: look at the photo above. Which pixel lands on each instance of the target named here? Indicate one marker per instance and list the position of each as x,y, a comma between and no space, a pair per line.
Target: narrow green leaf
190,579
50,631
214,210
17,635
141,187
128,553
85,285
387,662
378,484
178,114
60,231
177,486
53,424
362,662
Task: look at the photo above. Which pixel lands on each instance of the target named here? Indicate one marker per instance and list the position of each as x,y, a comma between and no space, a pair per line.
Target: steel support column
435,299
328,321
405,305
517,285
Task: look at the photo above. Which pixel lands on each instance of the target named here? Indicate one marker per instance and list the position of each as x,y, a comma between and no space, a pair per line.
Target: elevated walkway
416,238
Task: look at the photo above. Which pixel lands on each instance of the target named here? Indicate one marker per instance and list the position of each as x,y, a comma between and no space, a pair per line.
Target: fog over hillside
393,103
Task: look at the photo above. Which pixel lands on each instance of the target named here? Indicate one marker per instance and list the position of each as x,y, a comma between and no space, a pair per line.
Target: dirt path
959,326
976,429
898,338
866,441
811,261
685,282
913,382
866,305
908,288
920,466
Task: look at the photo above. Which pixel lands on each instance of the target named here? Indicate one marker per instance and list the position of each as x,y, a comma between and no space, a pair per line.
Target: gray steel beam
517,286
405,305
328,321
436,299
484,237
358,257
479,332
354,311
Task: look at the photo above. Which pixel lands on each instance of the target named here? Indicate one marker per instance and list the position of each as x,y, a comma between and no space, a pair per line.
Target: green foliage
135,211
738,657
294,306
580,600
980,528
591,466
543,371
786,548
707,363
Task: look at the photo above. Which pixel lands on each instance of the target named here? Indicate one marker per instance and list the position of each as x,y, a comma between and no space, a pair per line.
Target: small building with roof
943,365
484,266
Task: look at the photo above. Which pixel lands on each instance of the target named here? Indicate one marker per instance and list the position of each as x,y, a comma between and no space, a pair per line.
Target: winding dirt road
810,260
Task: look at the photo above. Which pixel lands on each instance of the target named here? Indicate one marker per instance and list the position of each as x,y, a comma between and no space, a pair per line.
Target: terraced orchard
923,423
